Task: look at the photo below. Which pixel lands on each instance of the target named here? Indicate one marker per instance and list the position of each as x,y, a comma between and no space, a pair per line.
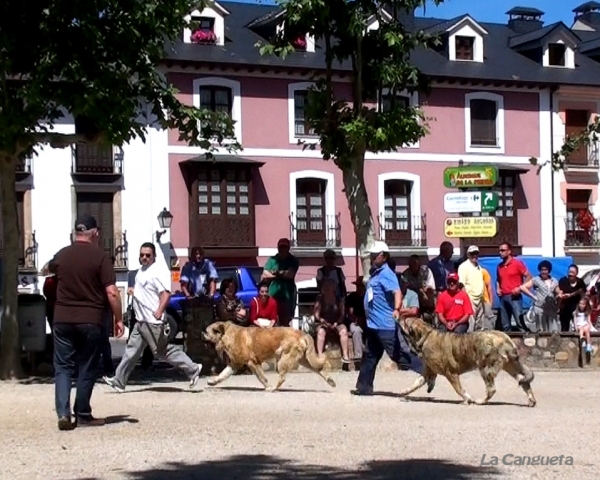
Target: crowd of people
83,301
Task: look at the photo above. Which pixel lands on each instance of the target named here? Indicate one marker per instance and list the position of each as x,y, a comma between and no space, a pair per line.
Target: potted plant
299,43
203,36
586,222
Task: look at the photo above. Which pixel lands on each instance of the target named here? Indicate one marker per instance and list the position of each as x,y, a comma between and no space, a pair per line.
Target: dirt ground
160,430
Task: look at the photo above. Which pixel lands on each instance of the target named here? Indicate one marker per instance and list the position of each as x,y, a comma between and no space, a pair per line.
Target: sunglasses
145,255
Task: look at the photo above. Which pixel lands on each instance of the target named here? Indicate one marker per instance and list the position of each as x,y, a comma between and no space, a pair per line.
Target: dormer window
463,38
464,47
206,26
557,54
204,31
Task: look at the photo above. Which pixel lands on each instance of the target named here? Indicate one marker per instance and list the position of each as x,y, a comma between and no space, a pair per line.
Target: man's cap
452,277
379,247
283,242
85,222
473,249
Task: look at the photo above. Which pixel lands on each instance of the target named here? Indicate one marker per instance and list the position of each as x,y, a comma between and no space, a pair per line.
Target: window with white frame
299,126
465,47
220,95
484,116
557,54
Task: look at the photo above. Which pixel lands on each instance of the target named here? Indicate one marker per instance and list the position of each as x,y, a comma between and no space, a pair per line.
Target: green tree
590,135
97,60
379,59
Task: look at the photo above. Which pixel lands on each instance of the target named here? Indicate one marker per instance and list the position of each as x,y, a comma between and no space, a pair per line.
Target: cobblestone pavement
161,430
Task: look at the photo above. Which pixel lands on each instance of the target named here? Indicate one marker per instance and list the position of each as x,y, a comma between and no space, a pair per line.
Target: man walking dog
150,299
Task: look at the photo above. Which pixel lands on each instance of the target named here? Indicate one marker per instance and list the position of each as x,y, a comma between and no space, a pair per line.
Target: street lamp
165,218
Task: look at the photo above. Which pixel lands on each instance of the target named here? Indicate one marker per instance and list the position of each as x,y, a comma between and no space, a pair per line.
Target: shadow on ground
265,467
159,373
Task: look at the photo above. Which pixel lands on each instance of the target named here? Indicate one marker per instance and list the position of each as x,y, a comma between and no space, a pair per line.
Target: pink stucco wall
272,195
265,121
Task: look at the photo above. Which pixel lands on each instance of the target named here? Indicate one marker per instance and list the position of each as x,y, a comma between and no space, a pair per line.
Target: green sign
473,176
489,201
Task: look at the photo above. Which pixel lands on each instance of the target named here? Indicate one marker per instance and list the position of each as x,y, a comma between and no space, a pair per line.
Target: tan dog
251,346
451,355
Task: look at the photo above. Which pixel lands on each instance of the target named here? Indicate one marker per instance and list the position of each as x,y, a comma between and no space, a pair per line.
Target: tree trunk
360,211
10,348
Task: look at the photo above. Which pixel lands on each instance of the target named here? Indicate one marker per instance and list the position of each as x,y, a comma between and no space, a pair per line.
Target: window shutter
483,122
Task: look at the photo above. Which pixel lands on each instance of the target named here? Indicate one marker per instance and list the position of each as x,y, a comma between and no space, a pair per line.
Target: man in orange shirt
453,307
489,321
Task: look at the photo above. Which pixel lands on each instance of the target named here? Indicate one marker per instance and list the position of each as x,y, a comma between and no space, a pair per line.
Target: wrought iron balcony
28,249
409,232
578,238
116,248
584,158
315,233
96,159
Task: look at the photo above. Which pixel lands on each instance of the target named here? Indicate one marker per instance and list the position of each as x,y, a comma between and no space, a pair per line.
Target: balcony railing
116,248
586,156
27,253
96,159
316,233
578,237
409,232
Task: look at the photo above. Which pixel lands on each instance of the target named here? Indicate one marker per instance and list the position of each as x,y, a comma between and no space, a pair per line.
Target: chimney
525,19
588,13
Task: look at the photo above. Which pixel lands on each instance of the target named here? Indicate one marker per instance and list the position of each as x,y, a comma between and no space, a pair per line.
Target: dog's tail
525,373
310,352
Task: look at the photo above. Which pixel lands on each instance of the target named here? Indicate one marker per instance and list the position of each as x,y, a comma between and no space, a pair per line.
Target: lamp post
165,218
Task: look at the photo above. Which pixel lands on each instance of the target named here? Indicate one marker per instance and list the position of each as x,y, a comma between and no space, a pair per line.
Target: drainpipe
553,89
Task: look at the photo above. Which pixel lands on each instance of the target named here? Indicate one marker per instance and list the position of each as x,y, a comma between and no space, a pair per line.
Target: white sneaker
112,383
196,376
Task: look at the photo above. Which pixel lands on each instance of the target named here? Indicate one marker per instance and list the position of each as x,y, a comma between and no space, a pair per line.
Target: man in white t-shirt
150,299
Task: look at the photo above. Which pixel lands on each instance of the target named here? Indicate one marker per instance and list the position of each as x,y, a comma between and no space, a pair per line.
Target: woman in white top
582,322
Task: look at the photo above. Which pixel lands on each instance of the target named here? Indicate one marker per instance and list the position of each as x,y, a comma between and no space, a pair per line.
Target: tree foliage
589,136
379,61
99,61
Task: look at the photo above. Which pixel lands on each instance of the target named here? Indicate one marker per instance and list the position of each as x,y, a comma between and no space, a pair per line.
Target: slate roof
501,62
539,34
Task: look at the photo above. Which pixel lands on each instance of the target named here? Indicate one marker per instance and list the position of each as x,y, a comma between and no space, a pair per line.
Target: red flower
585,220
300,42
203,36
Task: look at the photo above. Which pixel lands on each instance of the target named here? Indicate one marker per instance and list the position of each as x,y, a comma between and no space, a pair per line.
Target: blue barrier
560,266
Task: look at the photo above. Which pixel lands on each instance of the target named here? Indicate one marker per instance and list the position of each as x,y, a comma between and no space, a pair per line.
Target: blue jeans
511,306
75,345
377,342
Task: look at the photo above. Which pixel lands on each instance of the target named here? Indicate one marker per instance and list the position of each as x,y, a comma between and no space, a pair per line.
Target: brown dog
451,355
251,346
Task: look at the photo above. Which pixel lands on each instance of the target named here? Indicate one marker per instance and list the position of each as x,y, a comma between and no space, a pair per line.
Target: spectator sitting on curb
453,307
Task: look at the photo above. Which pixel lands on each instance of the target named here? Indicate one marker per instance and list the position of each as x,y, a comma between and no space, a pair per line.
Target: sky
493,10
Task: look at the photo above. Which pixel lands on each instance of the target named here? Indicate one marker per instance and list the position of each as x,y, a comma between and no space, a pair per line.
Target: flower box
299,43
203,36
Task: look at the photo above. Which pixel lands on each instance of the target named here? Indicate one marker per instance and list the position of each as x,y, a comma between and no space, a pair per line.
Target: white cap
378,247
473,249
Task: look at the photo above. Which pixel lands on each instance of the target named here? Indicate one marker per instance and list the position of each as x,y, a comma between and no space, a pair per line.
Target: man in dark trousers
85,279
